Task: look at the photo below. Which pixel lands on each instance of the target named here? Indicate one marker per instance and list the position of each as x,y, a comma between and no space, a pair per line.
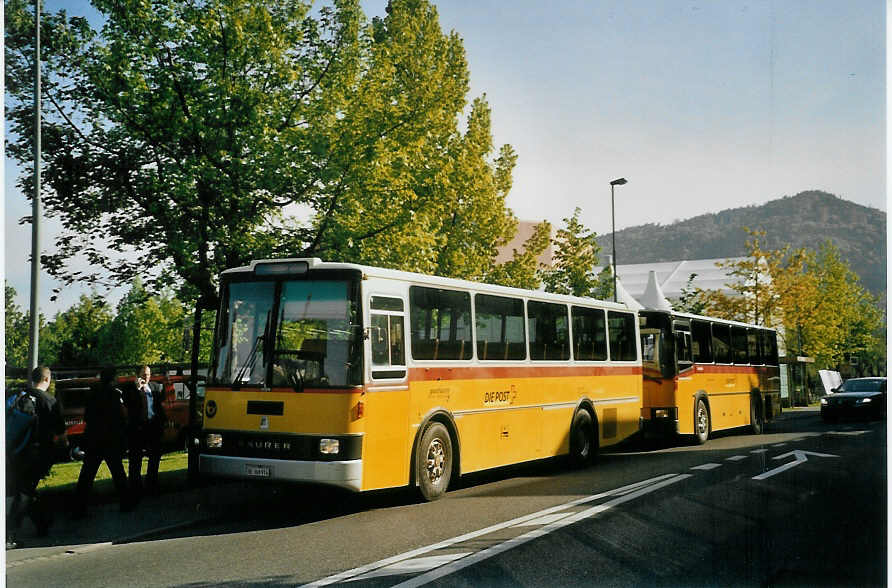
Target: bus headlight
661,413
824,401
329,446
863,401
213,441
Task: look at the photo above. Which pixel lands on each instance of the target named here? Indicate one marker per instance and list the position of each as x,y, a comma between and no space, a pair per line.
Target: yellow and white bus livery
368,378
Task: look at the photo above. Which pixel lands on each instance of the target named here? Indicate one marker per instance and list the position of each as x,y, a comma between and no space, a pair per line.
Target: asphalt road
802,505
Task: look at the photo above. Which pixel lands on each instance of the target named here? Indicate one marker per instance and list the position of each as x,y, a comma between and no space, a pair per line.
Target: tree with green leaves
575,263
183,137
814,299
523,269
691,298
17,326
841,319
146,329
73,338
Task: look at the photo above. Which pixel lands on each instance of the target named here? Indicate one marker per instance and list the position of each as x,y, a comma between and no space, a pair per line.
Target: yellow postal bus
369,378
704,374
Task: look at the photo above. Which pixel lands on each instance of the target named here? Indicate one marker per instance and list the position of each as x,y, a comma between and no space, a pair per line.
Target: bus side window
549,331
500,327
440,323
701,342
769,347
621,331
589,334
683,350
739,345
387,335
721,342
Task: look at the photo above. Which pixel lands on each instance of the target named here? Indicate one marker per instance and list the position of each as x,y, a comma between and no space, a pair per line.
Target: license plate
258,470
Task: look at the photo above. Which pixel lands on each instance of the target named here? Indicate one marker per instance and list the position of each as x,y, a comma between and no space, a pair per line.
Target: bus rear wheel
755,416
701,422
433,462
583,445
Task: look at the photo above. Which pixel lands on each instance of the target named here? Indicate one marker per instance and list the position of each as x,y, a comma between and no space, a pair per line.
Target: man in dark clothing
146,418
103,440
25,470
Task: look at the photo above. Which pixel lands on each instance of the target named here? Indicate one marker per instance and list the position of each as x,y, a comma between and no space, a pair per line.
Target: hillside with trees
807,220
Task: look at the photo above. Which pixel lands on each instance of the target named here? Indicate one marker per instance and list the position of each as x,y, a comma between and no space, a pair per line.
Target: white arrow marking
800,458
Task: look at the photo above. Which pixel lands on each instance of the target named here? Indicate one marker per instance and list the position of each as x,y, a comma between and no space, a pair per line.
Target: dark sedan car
858,397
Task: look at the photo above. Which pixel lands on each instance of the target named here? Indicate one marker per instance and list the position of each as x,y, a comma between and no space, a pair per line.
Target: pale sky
702,106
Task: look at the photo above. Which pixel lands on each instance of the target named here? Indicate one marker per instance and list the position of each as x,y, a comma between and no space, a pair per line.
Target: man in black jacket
103,440
25,470
146,418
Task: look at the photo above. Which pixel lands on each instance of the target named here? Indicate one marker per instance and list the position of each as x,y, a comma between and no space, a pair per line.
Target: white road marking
534,534
623,492
779,445
546,520
763,450
412,566
801,457
849,433
707,466
736,458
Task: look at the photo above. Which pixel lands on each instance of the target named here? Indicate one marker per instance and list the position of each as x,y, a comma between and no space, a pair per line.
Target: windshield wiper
252,358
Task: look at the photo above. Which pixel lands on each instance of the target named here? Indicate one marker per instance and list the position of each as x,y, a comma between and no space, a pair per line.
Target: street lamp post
617,182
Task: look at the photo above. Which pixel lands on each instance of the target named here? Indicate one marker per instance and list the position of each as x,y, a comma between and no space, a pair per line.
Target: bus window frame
729,358
682,328
413,287
529,331
523,317
709,357
755,333
735,335
392,371
635,336
606,344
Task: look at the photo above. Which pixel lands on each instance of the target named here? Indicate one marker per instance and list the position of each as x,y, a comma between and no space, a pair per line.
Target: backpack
21,422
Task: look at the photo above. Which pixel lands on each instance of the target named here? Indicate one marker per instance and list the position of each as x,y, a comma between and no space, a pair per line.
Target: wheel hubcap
582,442
702,419
436,457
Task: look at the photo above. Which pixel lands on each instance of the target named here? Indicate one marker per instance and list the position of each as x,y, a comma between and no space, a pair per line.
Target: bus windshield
296,333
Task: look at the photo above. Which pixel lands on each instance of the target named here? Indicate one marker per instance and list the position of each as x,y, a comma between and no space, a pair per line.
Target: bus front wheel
433,462
701,422
583,445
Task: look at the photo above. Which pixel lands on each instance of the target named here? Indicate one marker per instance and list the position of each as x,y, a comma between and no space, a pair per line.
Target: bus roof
700,317
315,263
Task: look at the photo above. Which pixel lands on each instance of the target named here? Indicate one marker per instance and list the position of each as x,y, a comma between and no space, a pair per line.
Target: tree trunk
194,426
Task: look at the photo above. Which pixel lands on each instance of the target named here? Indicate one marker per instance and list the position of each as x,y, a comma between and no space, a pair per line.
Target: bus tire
701,422
756,423
433,462
583,444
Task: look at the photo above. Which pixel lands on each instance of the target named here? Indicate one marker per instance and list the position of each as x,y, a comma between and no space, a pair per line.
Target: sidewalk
177,507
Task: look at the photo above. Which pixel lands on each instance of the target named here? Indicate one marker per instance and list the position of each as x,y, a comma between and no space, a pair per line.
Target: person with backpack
34,425
104,419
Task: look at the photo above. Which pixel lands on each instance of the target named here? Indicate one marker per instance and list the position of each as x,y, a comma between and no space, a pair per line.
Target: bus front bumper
344,474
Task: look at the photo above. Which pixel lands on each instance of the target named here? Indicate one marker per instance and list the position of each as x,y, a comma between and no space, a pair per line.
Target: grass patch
63,477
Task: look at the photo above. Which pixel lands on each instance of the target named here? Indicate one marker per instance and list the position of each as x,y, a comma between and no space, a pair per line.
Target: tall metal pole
616,182
613,239
35,203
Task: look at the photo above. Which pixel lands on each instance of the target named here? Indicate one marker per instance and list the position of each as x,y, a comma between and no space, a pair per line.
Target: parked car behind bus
73,392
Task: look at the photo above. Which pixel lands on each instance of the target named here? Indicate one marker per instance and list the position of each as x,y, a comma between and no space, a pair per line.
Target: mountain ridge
806,219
